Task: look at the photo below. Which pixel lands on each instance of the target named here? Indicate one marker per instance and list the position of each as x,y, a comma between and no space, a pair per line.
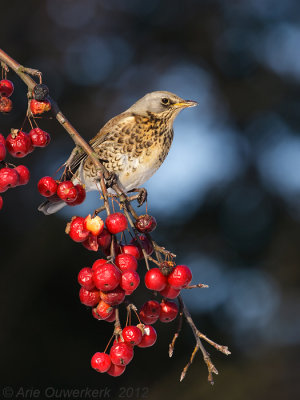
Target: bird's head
162,104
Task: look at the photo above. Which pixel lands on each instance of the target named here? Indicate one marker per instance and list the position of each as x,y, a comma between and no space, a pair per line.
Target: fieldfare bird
132,145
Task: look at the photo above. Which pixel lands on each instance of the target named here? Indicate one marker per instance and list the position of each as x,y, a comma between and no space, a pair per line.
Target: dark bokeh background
227,198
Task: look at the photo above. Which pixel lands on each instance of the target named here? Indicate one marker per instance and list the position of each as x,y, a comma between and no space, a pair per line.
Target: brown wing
108,132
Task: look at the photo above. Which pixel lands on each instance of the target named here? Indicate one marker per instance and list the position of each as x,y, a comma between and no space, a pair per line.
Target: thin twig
198,285
178,330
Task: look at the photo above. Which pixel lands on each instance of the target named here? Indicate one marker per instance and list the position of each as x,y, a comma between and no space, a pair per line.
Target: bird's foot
142,195
111,179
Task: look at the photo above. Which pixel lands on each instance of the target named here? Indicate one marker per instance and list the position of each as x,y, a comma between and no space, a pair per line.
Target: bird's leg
142,197
67,164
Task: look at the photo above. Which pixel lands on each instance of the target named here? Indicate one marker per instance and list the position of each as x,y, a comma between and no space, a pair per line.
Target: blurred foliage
230,209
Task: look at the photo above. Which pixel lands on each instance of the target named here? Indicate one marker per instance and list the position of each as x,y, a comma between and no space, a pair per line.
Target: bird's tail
50,207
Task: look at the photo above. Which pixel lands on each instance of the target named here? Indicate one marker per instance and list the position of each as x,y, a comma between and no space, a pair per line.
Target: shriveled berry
168,311
76,229
145,223
149,337
24,174
39,107
101,362
104,310
149,312
169,292
116,370
116,222
6,105
107,277
39,138
130,280
6,88
126,262
40,92
90,243
121,354
85,278
112,317
113,297
89,297
132,335
180,277
81,194
18,143
9,178
47,186
67,191
155,280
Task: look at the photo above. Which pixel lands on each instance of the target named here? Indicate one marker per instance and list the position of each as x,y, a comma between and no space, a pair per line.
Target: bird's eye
165,101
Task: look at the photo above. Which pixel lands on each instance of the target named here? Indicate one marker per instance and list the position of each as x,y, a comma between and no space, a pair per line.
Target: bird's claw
142,196
111,179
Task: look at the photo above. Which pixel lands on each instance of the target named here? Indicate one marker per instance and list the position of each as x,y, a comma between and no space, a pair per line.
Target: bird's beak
185,104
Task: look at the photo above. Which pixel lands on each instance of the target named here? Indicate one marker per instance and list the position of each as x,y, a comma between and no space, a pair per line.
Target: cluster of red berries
68,192
105,285
101,237
121,352
6,90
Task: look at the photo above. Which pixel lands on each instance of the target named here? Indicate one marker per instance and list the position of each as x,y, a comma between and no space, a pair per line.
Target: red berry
104,310
116,223
80,196
24,174
76,229
149,312
18,143
155,280
169,292
112,318
47,186
126,262
101,362
132,335
116,370
2,139
132,250
89,297
5,105
98,262
39,138
1,202
130,280
6,88
121,353
90,243
85,278
145,223
107,277
94,225
104,239
66,191
2,152
149,337
168,311
9,178
39,107
146,245
113,297
180,277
